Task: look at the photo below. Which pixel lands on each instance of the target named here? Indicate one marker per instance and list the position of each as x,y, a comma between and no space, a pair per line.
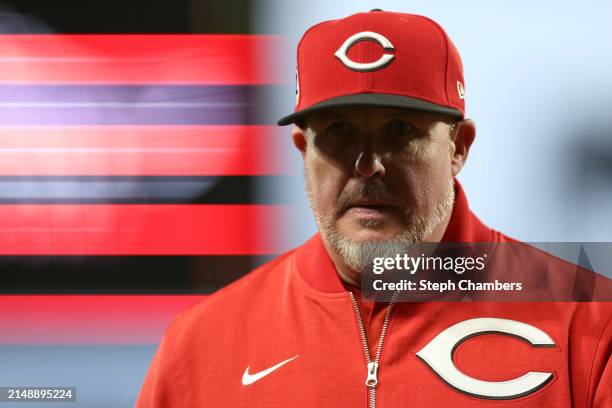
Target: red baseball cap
378,58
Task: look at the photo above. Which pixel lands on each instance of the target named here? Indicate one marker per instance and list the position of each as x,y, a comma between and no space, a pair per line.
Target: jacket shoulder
232,300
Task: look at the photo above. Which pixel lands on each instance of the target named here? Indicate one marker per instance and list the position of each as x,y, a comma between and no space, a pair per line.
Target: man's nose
369,164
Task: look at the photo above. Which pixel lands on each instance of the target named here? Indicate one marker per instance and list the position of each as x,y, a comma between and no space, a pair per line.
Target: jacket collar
317,269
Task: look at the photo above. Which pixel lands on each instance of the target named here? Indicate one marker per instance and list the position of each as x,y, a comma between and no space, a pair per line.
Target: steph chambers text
449,285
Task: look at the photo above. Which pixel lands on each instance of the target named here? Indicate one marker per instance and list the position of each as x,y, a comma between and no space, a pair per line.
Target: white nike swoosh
248,379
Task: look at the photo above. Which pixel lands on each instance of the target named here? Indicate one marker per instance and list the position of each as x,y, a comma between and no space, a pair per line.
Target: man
380,126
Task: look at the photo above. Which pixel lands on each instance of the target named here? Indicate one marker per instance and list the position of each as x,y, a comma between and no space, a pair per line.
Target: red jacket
288,335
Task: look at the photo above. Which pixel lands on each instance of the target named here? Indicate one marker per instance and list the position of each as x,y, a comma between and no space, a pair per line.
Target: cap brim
372,99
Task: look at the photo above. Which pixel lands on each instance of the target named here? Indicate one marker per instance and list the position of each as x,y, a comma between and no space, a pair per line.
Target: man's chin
365,235
360,248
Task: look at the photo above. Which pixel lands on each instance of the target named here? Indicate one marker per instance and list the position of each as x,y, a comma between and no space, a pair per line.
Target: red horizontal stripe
138,59
135,229
141,150
88,319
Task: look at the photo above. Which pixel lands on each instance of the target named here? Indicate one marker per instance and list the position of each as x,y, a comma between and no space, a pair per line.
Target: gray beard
360,255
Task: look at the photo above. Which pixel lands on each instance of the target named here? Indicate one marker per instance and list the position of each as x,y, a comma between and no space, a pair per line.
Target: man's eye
340,128
399,128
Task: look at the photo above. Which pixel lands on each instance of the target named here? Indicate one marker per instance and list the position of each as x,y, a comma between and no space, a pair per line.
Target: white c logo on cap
383,61
438,354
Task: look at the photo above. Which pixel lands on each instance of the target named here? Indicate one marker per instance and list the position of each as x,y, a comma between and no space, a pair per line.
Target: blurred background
140,168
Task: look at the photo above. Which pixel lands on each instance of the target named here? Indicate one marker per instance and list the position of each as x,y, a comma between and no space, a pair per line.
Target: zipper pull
372,379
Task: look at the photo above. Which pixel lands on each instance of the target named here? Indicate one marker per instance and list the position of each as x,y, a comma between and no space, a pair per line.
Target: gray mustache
368,191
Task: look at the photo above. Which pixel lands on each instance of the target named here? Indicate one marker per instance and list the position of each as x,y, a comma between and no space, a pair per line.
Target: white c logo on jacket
438,354
384,60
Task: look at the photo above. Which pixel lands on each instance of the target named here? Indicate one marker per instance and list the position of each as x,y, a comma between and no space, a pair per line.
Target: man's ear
462,136
299,139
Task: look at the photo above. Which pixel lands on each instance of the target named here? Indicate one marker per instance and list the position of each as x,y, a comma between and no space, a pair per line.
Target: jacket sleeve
603,392
153,390
165,381
601,373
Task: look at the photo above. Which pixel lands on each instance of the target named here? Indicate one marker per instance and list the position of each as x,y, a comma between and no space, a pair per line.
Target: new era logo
460,90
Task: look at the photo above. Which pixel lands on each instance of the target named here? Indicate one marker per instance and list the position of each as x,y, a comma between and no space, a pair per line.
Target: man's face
378,179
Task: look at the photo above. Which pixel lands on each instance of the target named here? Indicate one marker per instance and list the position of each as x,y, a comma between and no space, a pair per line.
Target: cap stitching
363,54
368,53
446,71
297,58
445,43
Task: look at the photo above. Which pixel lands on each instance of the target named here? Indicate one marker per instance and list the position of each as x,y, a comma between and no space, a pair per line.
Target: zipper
372,368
